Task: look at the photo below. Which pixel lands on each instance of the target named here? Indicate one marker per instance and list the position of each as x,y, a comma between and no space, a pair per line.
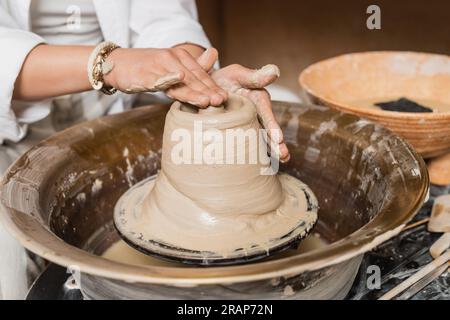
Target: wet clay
219,206
121,252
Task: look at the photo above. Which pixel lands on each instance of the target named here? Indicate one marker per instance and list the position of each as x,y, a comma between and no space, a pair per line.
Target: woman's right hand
172,70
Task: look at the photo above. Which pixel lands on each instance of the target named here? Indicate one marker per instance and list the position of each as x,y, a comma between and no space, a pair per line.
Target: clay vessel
218,199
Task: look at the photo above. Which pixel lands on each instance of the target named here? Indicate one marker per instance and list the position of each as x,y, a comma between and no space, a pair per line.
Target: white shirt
72,22
23,25
128,23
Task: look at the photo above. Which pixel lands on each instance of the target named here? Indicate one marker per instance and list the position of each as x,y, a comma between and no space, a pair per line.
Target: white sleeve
15,45
165,23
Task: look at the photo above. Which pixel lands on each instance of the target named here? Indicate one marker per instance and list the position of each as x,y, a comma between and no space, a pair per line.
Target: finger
166,81
208,58
280,149
219,95
261,99
256,79
186,94
172,63
155,82
207,80
216,94
285,156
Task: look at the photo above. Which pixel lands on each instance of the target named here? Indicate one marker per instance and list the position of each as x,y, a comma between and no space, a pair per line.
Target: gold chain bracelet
98,67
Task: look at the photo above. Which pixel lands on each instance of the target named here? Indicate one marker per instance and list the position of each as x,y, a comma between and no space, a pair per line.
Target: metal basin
58,200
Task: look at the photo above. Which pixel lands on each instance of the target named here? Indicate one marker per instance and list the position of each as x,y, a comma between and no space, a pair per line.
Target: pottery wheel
215,214
305,221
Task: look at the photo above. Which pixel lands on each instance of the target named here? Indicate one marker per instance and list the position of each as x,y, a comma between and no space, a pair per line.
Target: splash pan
60,195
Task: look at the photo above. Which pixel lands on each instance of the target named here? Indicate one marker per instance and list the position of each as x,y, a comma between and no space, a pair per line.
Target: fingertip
286,159
271,69
203,101
207,59
216,100
213,51
265,75
285,156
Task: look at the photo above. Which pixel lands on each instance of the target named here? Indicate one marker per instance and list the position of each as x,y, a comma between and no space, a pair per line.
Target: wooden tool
440,215
438,222
422,283
442,244
431,267
439,170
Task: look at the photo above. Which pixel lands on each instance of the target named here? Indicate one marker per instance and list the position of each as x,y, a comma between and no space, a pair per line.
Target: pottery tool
442,244
440,215
440,222
423,272
422,283
439,170
415,224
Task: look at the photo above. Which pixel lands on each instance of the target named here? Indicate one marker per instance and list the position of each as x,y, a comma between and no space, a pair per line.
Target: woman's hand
173,70
250,83
184,78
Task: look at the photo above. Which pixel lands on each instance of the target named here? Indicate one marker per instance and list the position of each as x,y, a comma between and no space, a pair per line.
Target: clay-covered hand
173,70
250,83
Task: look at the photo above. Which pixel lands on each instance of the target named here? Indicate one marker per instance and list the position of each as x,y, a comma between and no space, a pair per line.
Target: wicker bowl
349,82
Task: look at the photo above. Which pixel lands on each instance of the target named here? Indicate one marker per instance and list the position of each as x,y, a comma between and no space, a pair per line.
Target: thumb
262,77
208,58
255,79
